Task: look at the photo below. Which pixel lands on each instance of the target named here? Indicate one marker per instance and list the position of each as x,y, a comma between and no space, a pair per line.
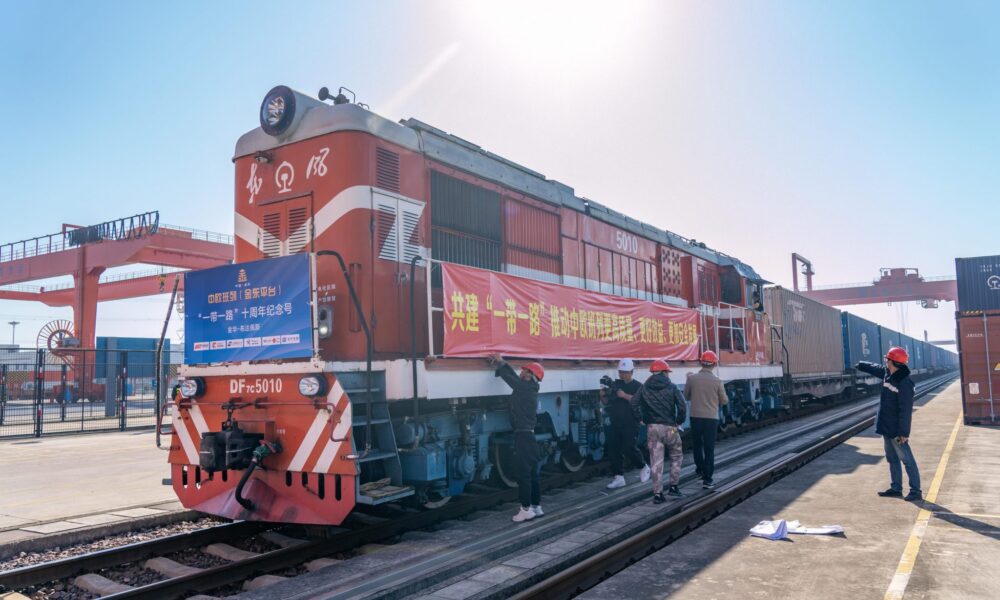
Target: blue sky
861,135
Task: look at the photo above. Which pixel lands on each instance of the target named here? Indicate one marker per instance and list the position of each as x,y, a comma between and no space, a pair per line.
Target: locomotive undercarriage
446,444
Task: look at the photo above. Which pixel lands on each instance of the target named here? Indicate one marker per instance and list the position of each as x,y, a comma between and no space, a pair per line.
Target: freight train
340,360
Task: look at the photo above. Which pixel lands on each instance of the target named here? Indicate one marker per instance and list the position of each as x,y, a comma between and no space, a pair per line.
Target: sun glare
558,32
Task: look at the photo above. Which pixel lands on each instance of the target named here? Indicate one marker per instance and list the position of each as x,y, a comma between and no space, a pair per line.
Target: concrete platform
944,548
67,484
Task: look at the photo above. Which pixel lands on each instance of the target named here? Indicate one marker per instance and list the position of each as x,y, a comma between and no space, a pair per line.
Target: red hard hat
659,366
709,357
897,354
536,370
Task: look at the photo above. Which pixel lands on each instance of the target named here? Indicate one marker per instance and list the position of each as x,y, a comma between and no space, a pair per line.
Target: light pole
13,327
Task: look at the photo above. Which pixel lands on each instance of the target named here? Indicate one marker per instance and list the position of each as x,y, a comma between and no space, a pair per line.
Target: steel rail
341,542
501,543
591,571
215,577
113,557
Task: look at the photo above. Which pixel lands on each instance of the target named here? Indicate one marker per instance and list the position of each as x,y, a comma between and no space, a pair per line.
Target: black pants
529,488
622,448
703,445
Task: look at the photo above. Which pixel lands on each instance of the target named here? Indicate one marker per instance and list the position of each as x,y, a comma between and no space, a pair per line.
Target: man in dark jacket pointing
893,421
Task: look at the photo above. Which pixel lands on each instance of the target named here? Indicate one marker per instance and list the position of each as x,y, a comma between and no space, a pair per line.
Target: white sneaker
645,474
537,510
525,514
617,482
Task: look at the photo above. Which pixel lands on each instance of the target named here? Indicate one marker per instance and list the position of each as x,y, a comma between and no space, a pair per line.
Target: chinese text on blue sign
248,311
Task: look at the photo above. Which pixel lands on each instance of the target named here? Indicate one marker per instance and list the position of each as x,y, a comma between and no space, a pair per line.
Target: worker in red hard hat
893,421
523,416
662,408
707,395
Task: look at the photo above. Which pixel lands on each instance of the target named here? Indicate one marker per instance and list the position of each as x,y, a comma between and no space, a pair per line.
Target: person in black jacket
893,421
523,411
624,430
662,408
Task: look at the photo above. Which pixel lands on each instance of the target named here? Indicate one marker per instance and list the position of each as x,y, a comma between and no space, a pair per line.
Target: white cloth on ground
779,529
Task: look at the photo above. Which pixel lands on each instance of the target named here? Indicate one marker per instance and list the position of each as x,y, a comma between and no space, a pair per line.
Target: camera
607,382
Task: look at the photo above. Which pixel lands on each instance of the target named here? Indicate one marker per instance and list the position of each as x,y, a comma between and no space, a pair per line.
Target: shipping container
978,284
811,333
919,358
861,340
889,338
909,344
979,350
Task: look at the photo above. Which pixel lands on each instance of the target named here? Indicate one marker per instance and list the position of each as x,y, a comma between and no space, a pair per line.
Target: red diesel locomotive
378,411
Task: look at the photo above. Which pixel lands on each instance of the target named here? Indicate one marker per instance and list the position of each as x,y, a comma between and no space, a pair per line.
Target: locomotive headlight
312,385
192,388
278,110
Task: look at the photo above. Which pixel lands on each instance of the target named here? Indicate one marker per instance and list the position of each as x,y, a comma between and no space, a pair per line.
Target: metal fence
76,391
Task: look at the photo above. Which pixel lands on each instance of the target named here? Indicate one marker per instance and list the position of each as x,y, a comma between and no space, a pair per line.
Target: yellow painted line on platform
897,587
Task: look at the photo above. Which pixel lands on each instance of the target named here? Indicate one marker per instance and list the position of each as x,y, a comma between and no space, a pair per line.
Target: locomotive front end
261,428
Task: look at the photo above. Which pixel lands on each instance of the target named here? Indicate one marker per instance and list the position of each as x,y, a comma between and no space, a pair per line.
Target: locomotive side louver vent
387,170
409,216
386,228
298,230
270,242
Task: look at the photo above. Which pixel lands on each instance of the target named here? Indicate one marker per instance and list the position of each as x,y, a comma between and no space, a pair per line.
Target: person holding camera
624,431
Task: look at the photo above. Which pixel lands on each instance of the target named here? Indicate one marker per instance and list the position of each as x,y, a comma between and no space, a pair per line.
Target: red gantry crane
85,253
893,285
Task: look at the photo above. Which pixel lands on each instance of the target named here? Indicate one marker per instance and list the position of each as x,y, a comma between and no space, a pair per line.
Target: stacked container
978,324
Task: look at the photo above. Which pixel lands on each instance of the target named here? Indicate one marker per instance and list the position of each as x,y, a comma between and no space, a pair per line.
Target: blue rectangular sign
248,311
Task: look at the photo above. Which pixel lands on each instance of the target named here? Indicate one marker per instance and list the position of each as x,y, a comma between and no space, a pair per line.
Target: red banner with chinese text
488,312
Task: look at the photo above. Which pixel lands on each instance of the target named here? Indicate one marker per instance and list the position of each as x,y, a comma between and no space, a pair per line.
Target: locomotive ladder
381,464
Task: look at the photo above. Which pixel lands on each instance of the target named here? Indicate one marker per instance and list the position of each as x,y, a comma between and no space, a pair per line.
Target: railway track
296,552
587,573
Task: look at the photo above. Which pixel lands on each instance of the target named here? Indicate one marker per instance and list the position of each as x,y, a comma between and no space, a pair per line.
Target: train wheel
503,465
570,458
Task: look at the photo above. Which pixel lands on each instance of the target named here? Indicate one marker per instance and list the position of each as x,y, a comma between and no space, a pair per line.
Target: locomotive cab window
732,286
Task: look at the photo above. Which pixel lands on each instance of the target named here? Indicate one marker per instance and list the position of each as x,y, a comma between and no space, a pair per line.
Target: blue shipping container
141,355
919,355
890,338
861,340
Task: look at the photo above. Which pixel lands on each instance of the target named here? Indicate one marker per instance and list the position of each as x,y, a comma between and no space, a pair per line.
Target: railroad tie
262,582
321,563
371,548
170,568
227,552
100,585
281,540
